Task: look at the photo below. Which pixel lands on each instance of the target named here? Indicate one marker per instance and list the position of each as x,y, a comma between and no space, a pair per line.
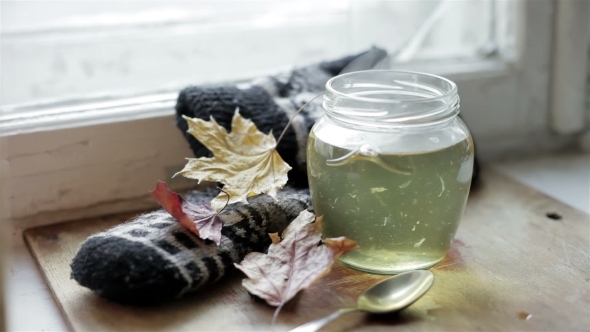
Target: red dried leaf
199,219
294,263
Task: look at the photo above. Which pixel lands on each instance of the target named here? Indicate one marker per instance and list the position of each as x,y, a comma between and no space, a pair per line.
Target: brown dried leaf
199,219
294,263
275,238
245,160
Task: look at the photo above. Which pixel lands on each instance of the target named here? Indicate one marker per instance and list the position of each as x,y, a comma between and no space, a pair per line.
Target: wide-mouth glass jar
390,166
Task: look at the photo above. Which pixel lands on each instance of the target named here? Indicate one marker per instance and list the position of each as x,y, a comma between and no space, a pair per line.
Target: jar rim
391,98
452,91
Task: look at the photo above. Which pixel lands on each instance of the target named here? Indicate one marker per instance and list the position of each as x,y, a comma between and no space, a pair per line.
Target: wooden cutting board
510,268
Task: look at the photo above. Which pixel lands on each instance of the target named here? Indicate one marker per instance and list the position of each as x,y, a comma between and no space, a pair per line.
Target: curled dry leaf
199,219
294,263
245,160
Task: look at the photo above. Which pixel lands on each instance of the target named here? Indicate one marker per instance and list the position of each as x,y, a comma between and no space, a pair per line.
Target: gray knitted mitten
153,258
270,102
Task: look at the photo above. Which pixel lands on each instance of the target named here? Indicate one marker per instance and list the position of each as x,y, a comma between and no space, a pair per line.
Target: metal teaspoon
389,295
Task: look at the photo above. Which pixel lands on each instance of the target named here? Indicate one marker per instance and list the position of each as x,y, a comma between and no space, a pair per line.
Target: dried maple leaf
199,219
245,160
294,263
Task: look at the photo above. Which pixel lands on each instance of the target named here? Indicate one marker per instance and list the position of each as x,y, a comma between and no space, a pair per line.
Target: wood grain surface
510,268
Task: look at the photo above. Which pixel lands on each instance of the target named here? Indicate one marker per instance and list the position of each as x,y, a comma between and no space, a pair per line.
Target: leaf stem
275,315
226,202
293,117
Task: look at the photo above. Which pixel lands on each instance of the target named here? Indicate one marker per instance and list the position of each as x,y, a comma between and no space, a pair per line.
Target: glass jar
390,166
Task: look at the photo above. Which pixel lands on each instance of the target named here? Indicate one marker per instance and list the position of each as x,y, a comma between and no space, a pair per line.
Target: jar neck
382,99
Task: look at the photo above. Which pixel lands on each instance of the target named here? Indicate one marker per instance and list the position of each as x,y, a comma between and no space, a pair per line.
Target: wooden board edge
29,243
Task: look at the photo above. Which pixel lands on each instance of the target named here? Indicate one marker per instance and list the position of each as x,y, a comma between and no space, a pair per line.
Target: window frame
58,166
570,75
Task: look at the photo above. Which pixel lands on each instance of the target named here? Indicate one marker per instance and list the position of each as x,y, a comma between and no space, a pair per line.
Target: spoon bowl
396,293
390,295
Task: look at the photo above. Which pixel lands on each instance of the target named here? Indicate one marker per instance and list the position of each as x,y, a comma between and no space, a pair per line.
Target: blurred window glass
69,50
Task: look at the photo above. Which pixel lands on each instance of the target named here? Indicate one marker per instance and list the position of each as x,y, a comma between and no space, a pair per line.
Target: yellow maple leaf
245,160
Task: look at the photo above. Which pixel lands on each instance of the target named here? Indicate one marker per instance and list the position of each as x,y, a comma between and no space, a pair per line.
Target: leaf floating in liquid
405,184
419,243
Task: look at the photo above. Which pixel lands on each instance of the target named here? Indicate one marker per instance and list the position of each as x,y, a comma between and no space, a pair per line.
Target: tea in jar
390,167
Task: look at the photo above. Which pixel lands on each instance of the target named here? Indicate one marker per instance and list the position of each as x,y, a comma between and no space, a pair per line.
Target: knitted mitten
153,258
270,102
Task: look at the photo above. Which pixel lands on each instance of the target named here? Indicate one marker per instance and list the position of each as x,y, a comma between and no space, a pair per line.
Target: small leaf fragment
294,263
405,184
202,219
340,245
245,160
275,238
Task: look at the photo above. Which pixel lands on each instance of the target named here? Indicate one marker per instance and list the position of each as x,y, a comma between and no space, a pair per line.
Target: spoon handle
317,324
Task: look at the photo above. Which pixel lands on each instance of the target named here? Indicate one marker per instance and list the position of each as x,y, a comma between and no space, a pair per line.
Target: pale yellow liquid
402,209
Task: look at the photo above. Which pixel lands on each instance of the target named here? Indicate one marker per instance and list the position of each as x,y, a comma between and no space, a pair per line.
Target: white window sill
563,176
30,305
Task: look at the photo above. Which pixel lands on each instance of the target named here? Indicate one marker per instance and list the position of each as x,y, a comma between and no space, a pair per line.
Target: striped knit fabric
153,258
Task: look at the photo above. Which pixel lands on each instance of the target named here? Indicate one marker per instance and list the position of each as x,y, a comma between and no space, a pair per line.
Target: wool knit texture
153,258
